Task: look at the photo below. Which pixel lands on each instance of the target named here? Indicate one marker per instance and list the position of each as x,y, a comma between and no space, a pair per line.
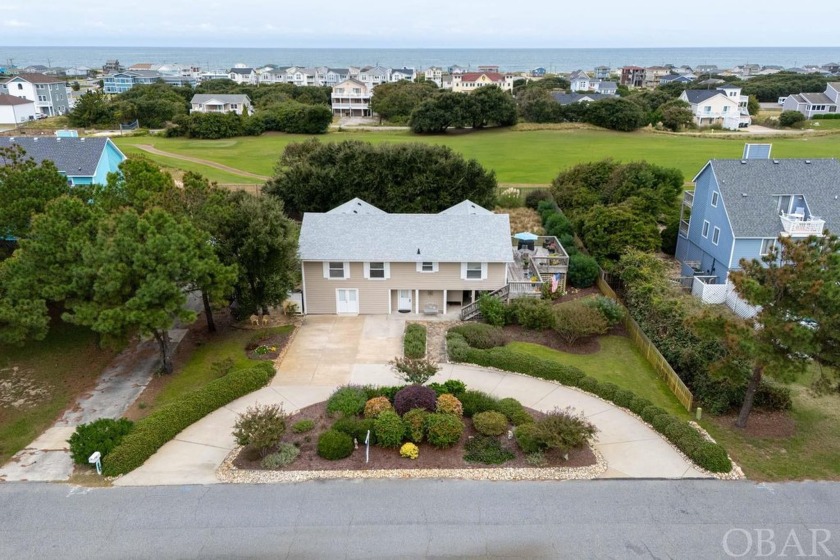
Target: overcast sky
417,23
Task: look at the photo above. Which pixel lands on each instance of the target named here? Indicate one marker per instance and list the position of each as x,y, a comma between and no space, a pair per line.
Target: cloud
16,23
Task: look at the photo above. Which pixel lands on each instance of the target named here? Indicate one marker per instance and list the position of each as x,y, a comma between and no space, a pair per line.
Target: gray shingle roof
202,98
445,237
72,156
569,98
701,95
817,98
755,215
356,206
240,70
466,207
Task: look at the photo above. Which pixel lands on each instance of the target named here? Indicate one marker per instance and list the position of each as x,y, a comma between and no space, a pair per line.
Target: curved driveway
332,351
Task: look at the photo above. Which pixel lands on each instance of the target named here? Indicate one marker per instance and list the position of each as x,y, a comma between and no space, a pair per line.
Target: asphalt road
424,519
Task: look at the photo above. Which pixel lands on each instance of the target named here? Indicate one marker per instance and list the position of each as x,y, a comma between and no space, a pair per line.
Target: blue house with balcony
739,208
84,161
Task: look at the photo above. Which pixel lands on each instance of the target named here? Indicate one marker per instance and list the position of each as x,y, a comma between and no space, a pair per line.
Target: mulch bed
272,345
550,339
577,293
768,425
381,458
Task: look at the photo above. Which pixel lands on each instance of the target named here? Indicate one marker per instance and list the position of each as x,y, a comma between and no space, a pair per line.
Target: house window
473,271
20,86
726,109
427,267
705,228
714,199
336,270
377,270
234,106
766,246
707,109
716,236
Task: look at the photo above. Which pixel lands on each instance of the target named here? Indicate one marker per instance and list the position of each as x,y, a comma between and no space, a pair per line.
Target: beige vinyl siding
373,293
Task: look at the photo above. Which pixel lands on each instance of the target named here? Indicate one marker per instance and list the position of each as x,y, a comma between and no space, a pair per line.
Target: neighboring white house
399,74
374,75
469,81
220,103
434,74
812,104
48,93
243,75
351,98
724,106
580,81
16,110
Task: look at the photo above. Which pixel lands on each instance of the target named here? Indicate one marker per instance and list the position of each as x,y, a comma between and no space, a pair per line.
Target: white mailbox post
96,459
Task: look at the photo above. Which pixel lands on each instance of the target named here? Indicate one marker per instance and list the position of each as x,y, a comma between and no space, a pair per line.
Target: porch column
417,301
444,302
390,293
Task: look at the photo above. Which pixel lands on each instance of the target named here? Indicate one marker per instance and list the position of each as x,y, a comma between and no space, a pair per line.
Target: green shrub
285,455
660,423
590,385
415,371
575,321
568,243
372,392
623,398
449,404
153,431
348,400
526,438
414,342
478,335
563,430
260,427
376,406
490,423
610,309
583,271
492,310
772,397
509,198
638,404
451,386
535,314
390,429
712,457
790,118
357,428
558,224
101,435
334,445
486,450
443,430
536,459
415,422
475,402
514,411
536,196
650,412
303,426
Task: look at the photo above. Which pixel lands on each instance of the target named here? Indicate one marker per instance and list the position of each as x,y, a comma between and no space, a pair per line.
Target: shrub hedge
710,456
101,435
153,431
414,341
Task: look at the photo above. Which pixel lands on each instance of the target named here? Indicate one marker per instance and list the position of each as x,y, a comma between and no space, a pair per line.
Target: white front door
347,300
404,301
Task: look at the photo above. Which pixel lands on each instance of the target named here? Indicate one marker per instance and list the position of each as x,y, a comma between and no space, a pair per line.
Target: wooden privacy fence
651,353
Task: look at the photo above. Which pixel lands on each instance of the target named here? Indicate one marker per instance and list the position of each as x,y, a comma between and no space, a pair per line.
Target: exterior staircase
471,311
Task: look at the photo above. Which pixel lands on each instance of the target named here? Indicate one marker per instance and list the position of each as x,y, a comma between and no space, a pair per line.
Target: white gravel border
227,472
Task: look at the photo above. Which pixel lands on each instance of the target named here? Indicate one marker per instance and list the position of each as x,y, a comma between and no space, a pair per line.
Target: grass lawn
50,375
619,362
198,371
213,174
521,157
812,452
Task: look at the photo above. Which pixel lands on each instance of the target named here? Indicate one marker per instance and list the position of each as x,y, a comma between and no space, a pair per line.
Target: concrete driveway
331,351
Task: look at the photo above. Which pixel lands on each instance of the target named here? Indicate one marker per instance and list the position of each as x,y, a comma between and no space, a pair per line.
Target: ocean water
554,60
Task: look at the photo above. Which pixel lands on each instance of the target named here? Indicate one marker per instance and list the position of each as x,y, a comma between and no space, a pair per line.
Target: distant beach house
84,161
724,106
16,110
220,103
351,98
243,75
47,92
469,81
813,104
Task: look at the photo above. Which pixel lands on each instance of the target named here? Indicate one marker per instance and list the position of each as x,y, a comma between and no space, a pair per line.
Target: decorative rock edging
735,474
227,472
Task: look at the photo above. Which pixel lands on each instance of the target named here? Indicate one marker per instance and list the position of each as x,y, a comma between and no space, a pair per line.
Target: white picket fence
722,293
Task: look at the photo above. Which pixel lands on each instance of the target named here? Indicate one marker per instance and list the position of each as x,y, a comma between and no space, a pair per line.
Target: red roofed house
469,81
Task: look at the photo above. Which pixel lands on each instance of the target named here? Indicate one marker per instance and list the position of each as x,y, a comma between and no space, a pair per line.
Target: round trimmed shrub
409,451
334,445
356,428
650,412
453,387
415,422
490,423
589,384
686,438
514,411
638,404
443,430
415,396
712,457
349,401
390,429
376,406
477,401
583,271
448,404
623,398
662,422
607,391
526,438
534,197
101,435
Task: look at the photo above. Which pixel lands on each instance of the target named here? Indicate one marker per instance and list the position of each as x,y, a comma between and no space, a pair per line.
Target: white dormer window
427,266
714,199
377,270
336,270
473,271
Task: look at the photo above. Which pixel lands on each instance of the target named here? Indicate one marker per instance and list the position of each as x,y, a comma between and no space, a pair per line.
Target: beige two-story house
358,259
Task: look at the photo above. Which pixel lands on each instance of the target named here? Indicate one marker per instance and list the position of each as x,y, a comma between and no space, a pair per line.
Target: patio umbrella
526,236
